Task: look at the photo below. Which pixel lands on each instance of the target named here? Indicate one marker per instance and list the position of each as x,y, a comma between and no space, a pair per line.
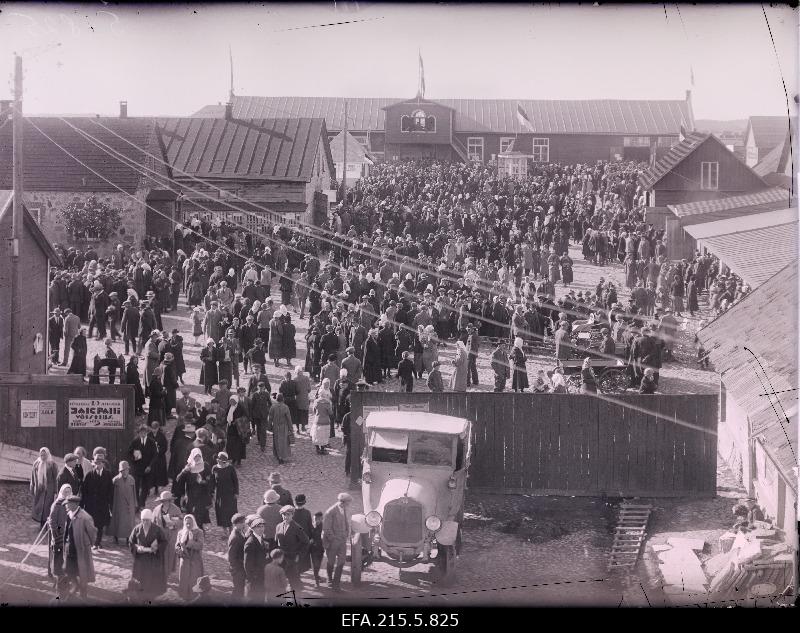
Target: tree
91,218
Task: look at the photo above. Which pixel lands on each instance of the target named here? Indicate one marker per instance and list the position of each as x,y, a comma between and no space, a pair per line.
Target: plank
566,459
498,452
554,455
520,426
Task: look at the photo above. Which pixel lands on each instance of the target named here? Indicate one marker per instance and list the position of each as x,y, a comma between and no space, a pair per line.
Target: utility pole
344,157
17,220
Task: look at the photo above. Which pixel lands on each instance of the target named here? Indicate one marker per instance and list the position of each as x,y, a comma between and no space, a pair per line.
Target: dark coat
149,450
372,361
158,473
236,543
74,479
255,559
291,539
97,496
148,568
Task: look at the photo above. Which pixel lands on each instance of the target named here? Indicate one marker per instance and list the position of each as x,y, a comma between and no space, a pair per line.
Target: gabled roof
596,116
761,323
355,151
263,149
6,206
49,168
776,167
768,200
679,153
768,131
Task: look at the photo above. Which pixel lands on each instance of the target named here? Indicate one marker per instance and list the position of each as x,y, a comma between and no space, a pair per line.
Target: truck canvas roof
416,421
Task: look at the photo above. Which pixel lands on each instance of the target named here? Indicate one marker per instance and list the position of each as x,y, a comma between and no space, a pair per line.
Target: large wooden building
250,170
478,129
698,168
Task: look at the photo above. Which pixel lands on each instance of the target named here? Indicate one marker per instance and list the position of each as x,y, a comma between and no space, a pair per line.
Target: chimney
228,111
123,109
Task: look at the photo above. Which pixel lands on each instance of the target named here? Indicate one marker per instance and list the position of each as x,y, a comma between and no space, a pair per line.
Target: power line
673,419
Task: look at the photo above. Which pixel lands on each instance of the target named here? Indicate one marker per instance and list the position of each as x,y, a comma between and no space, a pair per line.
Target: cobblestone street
501,562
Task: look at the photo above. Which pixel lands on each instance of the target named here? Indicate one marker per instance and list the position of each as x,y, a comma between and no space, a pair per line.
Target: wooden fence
22,425
573,444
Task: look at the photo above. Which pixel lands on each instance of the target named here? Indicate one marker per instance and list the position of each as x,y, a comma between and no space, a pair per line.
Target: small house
358,161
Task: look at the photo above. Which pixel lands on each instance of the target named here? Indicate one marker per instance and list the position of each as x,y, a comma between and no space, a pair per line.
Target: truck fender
447,533
358,523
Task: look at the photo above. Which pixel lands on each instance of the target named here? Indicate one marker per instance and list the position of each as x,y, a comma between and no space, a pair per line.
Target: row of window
541,148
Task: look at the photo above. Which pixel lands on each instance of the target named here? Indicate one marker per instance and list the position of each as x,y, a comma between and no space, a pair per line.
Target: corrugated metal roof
355,151
768,131
48,168
761,323
674,157
598,116
267,149
742,224
768,200
758,254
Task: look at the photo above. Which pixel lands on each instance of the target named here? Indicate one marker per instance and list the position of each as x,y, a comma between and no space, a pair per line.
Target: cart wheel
613,381
356,559
446,564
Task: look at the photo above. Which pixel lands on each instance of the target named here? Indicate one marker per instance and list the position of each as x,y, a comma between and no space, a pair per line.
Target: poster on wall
37,413
96,414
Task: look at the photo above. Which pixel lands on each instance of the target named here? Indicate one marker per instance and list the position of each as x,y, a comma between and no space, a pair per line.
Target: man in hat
153,357
236,542
97,310
206,594
69,474
352,365
79,536
335,536
97,495
186,404
129,326
147,323
55,332
255,558
294,542
270,513
275,484
72,327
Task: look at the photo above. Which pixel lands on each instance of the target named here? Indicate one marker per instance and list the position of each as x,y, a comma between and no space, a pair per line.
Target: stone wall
44,207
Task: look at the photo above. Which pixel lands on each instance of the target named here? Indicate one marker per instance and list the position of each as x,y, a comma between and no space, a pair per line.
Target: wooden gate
572,444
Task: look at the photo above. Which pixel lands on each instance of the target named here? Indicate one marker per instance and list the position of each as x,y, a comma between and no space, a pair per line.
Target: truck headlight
366,478
373,518
433,523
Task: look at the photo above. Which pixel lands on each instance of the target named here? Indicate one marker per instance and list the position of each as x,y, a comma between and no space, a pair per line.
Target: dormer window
418,122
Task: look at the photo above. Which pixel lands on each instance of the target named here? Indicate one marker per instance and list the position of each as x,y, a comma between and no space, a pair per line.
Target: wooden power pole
17,220
344,157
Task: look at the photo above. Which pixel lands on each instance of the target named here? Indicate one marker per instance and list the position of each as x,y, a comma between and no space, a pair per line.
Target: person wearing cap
335,536
294,542
147,543
55,332
123,509
79,536
302,400
270,513
303,518
168,517
205,594
142,452
280,421
226,491
352,365
435,381
236,541
70,474
256,549
72,326
147,324
97,496
260,404
153,358
648,384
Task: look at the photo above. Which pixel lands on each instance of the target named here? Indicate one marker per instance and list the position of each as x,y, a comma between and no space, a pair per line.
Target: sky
173,60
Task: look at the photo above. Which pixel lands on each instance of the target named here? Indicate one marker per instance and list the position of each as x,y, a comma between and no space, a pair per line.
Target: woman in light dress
167,516
189,550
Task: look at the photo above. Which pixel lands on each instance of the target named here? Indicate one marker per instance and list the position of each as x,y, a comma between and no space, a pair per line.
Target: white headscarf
64,492
232,407
41,472
192,462
518,342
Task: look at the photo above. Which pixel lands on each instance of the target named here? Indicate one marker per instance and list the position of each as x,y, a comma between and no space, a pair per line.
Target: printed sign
96,414
417,406
37,413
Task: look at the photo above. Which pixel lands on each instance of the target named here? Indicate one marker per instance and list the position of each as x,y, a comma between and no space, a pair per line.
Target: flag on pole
522,117
421,88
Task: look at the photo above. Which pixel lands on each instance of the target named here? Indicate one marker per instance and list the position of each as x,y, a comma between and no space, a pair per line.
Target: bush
91,218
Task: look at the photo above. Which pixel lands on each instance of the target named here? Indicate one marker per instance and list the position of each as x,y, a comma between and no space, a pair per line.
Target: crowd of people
422,255
269,549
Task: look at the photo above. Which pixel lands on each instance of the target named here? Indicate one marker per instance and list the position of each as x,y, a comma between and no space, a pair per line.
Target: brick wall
44,206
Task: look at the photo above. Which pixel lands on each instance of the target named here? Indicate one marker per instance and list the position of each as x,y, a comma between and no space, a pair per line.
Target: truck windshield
432,449
389,446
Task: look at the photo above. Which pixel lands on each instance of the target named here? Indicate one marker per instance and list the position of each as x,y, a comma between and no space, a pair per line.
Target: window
475,148
389,446
709,175
541,150
636,141
417,122
506,144
667,141
432,449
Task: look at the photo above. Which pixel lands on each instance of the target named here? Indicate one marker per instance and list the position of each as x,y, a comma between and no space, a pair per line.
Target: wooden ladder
629,535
